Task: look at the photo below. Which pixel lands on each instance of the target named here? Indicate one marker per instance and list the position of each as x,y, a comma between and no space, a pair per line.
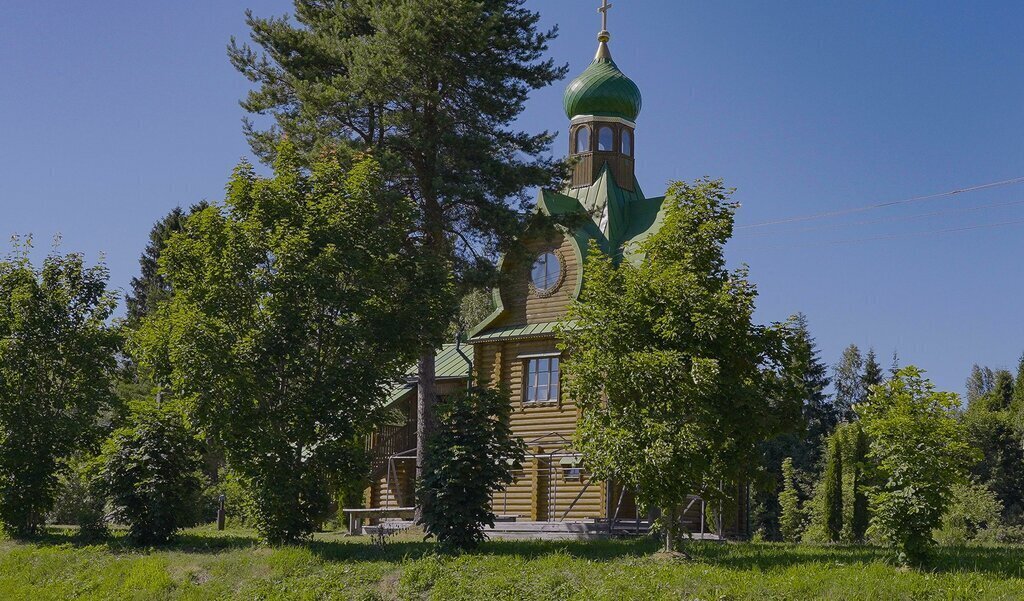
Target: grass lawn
205,564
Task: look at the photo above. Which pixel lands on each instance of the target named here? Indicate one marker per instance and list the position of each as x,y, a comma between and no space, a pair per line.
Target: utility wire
886,219
906,234
882,205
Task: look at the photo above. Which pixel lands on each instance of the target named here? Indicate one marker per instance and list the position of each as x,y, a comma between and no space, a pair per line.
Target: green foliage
56,366
972,508
295,305
432,88
675,383
150,288
827,509
809,376
921,450
793,517
475,306
150,472
472,455
849,382
979,384
854,445
997,438
873,375
238,500
840,506
1017,404
77,502
205,564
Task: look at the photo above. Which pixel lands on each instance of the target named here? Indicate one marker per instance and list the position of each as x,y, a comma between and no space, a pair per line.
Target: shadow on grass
1006,562
360,549
189,541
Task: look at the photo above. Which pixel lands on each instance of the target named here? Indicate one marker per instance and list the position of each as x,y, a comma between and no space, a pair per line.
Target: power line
906,234
890,219
882,205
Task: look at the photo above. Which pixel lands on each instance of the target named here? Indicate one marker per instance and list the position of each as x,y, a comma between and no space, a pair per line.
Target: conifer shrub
792,518
853,445
472,455
150,472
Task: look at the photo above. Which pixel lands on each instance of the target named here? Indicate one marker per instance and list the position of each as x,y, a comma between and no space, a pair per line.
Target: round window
547,272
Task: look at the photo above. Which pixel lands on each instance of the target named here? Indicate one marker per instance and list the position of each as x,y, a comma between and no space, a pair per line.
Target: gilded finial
604,36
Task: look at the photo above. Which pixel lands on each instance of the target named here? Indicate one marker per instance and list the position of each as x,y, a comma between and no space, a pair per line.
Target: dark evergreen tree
803,446
433,88
819,411
872,373
150,288
1002,391
1001,467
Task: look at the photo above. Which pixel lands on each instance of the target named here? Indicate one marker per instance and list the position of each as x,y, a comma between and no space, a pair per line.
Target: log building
516,345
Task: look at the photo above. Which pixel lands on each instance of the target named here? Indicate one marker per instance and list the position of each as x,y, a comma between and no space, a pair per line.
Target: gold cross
604,14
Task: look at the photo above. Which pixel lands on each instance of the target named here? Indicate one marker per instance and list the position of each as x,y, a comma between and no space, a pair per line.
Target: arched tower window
605,139
583,139
627,143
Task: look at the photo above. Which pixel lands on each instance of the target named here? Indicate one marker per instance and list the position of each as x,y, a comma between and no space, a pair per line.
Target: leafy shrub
57,359
150,472
237,499
1000,535
972,508
76,501
921,451
471,455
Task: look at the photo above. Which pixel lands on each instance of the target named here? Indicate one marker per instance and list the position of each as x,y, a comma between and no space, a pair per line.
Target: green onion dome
603,90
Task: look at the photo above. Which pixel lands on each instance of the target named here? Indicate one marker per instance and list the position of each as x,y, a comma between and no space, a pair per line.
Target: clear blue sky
114,112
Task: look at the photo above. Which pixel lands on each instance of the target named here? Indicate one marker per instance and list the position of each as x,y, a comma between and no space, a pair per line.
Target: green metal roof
534,329
630,216
603,90
449,365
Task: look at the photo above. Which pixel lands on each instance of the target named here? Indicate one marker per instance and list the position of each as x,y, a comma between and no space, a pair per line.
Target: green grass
204,564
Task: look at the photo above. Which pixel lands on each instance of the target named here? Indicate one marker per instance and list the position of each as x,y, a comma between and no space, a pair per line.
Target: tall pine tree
872,372
433,88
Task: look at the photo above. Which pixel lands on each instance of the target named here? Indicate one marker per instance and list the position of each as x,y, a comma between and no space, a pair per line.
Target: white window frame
542,376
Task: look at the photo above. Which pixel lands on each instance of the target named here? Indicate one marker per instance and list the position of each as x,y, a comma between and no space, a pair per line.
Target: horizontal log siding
523,306
398,492
540,491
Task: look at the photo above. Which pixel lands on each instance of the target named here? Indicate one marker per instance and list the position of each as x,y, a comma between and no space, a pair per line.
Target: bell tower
603,105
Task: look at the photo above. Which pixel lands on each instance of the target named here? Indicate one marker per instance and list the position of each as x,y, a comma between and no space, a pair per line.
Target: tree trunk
671,528
426,394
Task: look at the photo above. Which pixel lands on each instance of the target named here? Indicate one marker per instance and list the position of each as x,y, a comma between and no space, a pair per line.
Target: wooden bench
356,516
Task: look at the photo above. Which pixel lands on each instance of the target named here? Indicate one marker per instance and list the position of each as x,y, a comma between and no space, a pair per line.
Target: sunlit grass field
205,564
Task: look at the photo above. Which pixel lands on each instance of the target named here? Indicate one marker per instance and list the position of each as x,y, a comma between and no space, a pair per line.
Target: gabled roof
616,218
449,365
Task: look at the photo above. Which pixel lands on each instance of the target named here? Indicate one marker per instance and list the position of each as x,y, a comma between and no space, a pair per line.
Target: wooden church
516,345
